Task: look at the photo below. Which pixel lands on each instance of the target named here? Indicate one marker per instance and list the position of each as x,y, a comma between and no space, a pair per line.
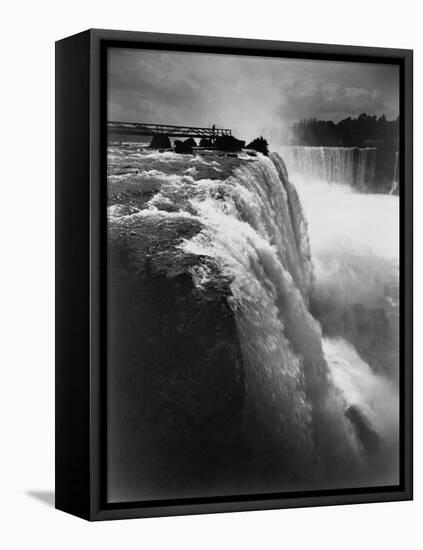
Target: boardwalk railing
141,129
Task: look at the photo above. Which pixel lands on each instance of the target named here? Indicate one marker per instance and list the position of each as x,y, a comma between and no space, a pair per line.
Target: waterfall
258,238
342,165
304,292
395,178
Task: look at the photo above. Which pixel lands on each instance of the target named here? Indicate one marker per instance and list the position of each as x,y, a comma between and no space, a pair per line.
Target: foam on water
284,244
257,236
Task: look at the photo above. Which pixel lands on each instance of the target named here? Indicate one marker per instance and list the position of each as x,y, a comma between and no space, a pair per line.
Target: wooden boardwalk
142,129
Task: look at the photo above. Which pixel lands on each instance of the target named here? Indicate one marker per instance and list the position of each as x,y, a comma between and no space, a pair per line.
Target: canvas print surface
253,275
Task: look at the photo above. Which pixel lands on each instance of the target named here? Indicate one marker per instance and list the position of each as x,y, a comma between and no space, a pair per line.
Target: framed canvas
233,274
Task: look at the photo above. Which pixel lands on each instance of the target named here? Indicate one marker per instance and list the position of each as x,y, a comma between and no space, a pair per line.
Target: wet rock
184,147
178,408
190,142
368,437
229,144
205,142
367,329
160,141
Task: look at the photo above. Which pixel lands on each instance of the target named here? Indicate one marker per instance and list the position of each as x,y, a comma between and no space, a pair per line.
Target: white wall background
28,32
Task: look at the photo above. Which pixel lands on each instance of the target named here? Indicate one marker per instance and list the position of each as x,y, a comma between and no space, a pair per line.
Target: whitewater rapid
300,256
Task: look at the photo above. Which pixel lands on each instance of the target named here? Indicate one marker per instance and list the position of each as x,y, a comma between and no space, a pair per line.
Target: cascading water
258,237
313,399
395,178
354,240
341,165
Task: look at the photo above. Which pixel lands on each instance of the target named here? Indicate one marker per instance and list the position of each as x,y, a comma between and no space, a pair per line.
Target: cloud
330,100
250,95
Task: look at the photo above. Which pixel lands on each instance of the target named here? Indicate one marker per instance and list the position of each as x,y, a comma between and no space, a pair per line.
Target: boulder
160,141
206,142
190,142
184,147
229,143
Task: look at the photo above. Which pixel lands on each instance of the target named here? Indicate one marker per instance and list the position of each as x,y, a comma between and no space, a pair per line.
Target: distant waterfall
345,165
395,178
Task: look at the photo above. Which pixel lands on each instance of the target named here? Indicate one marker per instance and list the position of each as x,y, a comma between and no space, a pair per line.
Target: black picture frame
81,285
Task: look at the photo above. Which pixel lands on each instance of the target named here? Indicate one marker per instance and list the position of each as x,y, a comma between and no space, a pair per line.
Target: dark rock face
384,170
367,329
190,142
259,144
160,141
176,409
205,142
369,439
229,143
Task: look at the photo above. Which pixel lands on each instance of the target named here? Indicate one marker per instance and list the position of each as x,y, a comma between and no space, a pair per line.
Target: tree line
363,131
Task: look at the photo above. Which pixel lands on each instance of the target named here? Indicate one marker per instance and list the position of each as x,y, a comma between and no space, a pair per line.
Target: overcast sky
250,95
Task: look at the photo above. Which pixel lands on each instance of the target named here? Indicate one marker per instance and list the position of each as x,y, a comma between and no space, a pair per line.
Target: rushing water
313,272
354,241
395,178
